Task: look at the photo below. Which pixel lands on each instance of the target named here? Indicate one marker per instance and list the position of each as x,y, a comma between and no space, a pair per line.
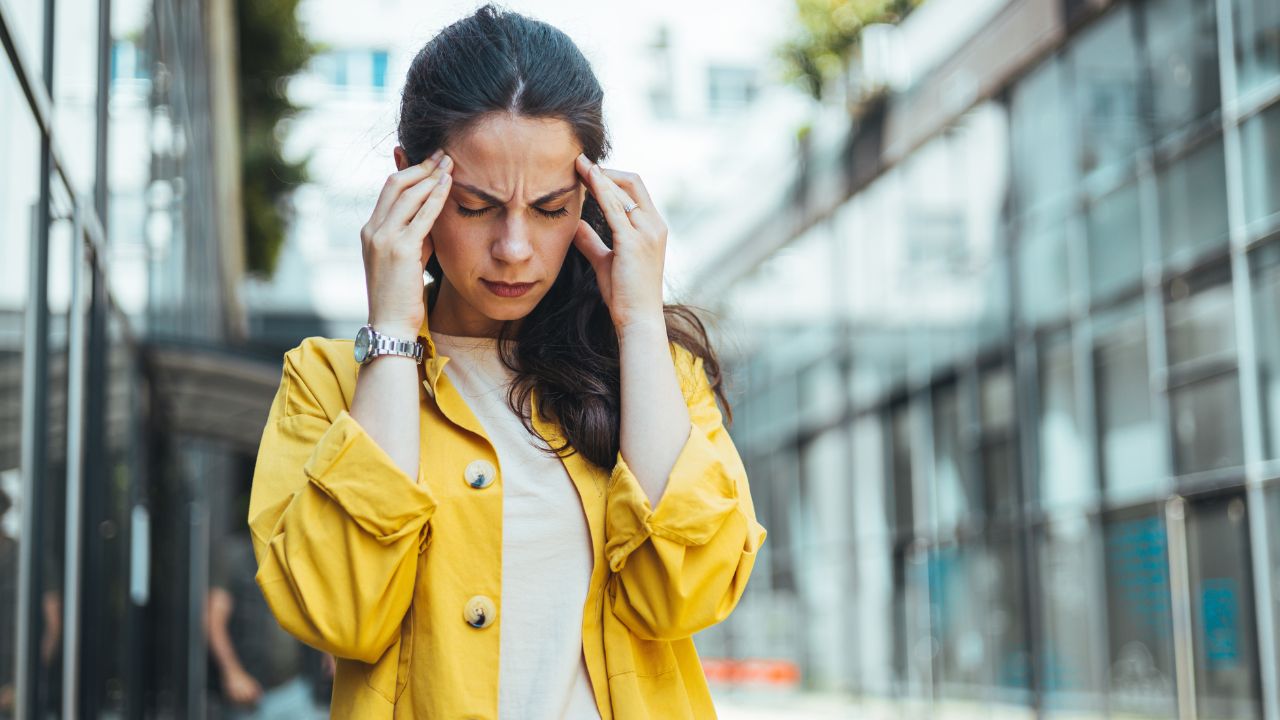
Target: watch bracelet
387,345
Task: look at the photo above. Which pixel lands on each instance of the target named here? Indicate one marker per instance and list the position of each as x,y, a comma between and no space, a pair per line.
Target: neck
453,316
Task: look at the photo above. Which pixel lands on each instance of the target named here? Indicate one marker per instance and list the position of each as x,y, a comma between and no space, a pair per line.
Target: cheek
450,240
554,244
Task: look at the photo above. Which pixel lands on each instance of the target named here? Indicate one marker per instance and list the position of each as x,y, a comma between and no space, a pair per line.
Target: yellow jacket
386,572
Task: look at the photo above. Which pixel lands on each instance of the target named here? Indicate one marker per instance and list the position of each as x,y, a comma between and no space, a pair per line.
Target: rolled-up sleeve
682,566
337,526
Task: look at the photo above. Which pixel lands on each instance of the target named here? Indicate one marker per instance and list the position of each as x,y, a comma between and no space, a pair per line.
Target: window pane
901,495
1006,621
1064,476
1226,659
1257,42
1261,138
1266,317
1072,618
1115,242
960,610
1107,75
1133,455
869,503
822,580
1193,202
1201,324
1206,420
957,497
998,453
1044,152
1182,50
75,86
1273,553
1141,671
1044,280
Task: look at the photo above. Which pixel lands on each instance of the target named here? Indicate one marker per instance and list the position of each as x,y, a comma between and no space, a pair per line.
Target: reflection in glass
1260,136
1206,420
1045,284
1107,73
47,628
1257,31
1204,390
1044,150
1007,620
1193,202
1071,618
1266,318
998,438
1141,671
957,498
871,511
1063,473
20,158
1133,455
900,492
1226,659
1114,235
75,86
1182,55
1201,322
1273,552
959,611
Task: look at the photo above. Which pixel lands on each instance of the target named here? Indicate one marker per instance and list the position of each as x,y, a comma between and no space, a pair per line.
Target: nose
514,246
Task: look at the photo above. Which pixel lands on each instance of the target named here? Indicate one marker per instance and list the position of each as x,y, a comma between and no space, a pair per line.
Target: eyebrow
554,194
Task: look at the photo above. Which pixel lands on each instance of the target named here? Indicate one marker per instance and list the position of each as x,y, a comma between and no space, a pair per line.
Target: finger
397,182
631,184
607,195
404,209
426,216
645,215
592,247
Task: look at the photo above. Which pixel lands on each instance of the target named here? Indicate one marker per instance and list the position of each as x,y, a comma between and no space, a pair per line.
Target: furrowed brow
553,195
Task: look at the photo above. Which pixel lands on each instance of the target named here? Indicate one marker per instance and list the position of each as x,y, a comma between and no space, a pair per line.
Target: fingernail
436,155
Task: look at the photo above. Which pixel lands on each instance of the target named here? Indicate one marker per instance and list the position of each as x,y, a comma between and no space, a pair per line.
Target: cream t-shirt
546,550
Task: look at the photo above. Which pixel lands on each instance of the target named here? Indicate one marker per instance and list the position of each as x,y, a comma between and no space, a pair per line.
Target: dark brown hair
498,61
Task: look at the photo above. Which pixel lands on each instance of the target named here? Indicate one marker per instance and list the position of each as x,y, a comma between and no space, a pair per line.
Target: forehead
503,152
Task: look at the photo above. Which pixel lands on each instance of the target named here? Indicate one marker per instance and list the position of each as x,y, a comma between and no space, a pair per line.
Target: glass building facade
1011,406
115,282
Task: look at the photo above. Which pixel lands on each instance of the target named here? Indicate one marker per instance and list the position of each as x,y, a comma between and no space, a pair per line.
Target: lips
502,289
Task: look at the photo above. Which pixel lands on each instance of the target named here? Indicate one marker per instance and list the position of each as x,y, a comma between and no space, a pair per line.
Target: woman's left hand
629,274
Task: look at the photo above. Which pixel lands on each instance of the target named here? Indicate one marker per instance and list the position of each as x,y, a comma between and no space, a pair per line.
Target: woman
540,530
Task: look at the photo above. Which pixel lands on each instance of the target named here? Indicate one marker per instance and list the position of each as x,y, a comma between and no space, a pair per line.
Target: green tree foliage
827,35
272,48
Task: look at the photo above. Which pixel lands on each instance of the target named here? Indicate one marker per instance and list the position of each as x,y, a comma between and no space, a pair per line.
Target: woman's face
509,218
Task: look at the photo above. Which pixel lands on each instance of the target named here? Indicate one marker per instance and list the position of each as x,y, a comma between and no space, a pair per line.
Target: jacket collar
450,402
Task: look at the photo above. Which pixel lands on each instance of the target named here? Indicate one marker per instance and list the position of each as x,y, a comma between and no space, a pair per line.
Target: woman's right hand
396,245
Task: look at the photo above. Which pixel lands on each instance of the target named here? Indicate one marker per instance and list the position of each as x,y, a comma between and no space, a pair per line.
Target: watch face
363,338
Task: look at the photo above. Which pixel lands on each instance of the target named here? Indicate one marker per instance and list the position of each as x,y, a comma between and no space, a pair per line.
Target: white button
480,474
480,612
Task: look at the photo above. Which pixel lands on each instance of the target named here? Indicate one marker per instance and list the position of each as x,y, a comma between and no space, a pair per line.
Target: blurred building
1007,347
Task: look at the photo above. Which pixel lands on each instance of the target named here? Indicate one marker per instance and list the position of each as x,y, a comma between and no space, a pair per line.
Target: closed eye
468,212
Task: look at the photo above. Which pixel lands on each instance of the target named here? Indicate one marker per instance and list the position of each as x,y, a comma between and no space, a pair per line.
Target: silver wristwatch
370,344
